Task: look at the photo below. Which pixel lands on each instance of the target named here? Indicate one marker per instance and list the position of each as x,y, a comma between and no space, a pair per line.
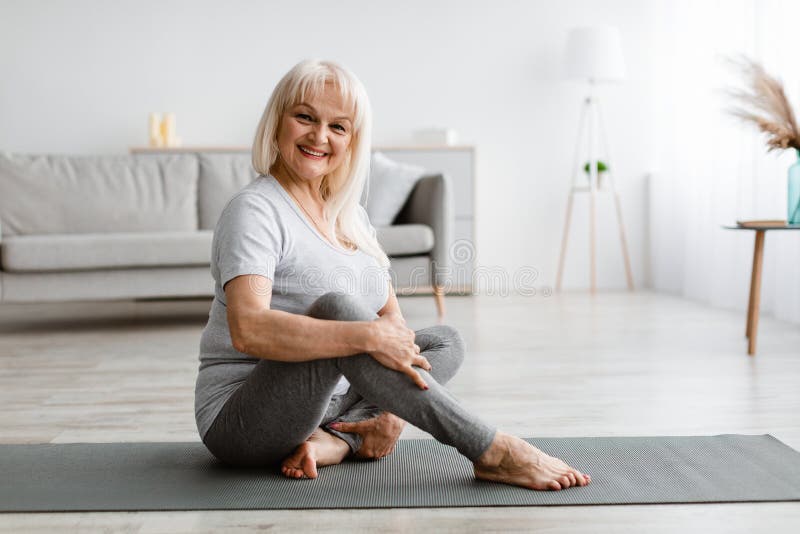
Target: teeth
307,151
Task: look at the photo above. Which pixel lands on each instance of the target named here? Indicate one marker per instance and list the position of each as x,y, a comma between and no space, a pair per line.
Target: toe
310,466
579,480
564,481
554,485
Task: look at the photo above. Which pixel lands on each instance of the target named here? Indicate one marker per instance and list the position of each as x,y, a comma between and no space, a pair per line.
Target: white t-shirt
262,231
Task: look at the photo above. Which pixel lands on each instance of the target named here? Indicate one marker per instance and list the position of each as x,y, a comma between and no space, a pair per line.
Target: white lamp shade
594,54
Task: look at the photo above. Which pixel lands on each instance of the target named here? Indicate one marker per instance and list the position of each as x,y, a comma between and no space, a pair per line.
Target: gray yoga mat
421,473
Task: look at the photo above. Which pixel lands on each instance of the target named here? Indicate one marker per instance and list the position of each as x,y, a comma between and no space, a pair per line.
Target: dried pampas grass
764,104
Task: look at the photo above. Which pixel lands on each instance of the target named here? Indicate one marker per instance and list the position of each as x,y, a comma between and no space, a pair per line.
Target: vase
793,193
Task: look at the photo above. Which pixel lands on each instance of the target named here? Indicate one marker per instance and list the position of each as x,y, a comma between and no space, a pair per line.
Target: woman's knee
339,306
459,345
447,336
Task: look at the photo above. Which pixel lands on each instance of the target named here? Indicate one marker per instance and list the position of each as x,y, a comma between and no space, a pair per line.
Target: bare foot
513,461
319,450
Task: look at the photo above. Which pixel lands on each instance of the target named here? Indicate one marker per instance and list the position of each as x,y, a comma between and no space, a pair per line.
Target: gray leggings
280,404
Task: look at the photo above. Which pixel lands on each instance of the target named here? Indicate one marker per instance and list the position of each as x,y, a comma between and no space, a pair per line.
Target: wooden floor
619,364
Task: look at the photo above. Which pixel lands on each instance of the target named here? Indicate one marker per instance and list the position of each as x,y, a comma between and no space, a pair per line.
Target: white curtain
710,169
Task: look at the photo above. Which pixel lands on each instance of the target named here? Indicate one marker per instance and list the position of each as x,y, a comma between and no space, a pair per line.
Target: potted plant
601,169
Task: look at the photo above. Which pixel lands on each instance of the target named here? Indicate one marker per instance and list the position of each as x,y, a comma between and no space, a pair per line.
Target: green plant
601,167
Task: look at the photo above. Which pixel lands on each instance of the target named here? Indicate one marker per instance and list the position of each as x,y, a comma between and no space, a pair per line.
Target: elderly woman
296,370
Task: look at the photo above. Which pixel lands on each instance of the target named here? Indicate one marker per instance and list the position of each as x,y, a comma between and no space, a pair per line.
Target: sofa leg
438,295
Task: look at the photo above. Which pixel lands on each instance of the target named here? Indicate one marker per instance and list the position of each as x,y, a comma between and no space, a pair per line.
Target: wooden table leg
752,294
755,293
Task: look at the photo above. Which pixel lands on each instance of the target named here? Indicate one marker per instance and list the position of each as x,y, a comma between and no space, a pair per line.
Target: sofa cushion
390,184
221,176
71,252
405,239
59,194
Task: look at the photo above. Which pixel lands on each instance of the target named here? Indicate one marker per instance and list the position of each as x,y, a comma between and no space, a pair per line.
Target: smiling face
314,136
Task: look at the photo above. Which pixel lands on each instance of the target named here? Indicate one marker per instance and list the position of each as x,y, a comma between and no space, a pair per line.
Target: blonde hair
342,188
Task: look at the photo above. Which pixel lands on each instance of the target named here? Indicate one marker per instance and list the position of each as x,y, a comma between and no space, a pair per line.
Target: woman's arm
277,335
392,307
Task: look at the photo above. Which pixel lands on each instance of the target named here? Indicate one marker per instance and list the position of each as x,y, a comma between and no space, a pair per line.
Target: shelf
585,189
424,147
237,149
186,149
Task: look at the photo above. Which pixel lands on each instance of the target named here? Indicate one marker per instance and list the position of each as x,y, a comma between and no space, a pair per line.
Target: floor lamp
593,55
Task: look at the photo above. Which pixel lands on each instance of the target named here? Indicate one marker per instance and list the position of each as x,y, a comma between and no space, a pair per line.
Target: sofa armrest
1,262
431,203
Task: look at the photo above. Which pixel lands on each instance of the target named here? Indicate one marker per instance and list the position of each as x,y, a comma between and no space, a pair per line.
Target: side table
755,278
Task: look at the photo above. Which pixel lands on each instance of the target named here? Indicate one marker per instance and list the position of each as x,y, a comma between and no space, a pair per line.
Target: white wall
81,76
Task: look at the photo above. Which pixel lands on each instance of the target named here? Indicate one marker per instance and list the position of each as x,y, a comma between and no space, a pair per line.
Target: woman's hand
379,434
396,348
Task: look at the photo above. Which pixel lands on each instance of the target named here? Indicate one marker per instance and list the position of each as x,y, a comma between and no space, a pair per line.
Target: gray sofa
133,227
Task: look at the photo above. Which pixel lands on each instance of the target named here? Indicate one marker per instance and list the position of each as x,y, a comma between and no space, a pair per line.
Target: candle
168,129
154,129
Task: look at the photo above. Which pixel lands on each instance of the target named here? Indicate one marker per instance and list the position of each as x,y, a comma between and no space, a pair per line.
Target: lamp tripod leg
592,243
564,240
594,132
610,176
625,256
575,171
